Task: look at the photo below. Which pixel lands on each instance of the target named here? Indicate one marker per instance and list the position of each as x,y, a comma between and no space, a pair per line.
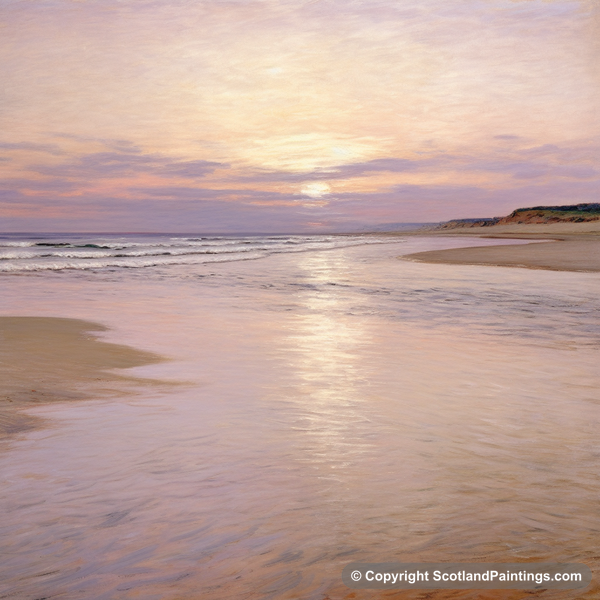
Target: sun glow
316,189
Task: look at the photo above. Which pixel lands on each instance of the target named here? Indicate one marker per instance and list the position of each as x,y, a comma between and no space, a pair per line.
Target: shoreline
578,256
51,359
568,247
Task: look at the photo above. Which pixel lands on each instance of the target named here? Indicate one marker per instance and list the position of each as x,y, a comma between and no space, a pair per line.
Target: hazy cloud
395,165
119,164
53,185
31,147
521,166
172,208
113,144
231,196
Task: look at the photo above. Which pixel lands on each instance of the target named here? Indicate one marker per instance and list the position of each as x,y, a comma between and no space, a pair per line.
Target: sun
316,189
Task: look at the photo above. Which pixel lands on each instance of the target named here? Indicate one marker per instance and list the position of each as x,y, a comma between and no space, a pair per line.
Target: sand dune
528,229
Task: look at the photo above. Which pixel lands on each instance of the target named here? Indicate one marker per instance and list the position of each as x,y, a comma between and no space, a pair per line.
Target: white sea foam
77,252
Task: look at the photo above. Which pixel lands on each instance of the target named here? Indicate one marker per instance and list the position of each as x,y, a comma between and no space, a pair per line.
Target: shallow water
342,406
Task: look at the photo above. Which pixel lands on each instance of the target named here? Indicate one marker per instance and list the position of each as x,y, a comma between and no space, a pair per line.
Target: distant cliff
574,213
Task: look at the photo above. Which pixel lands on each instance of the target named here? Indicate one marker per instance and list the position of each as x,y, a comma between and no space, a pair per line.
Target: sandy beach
46,359
570,247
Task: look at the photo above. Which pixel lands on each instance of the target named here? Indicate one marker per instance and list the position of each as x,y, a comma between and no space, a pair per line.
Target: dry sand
556,256
571,247
46,359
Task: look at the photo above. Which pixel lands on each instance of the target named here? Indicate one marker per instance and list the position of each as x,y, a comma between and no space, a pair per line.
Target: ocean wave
121,264
19,244
100,253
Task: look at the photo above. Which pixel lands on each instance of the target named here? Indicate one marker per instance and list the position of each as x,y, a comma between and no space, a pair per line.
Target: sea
331,403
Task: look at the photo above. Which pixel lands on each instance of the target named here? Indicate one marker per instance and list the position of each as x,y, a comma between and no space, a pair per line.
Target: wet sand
46,359
555,256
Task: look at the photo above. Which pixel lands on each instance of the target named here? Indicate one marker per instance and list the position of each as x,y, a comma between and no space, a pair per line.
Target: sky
224,116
